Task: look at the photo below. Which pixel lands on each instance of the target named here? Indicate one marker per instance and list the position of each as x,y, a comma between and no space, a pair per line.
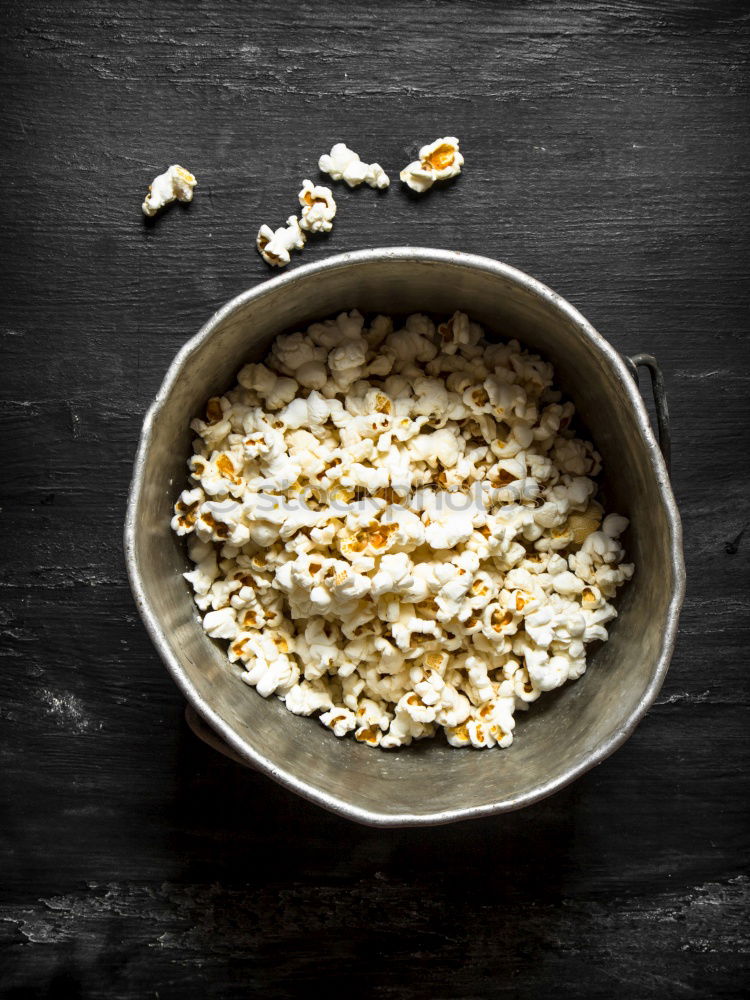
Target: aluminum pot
566,732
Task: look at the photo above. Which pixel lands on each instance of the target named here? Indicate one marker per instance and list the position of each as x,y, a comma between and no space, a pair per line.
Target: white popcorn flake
274,246
187,511
318,208
176,183
221,624
396,530
438,161
340,720
343,164
614,525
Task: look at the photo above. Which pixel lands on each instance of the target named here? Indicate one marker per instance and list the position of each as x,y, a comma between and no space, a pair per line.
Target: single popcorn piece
343,164
274,246
175,183
397,530
439,161
318,208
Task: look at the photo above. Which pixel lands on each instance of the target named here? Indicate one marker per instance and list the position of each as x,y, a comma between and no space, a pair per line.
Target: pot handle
636,361
204,732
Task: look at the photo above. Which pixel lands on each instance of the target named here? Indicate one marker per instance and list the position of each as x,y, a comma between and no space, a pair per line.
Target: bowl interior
429,782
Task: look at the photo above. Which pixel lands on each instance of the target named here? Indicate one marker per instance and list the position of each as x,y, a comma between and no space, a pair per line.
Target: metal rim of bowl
256,759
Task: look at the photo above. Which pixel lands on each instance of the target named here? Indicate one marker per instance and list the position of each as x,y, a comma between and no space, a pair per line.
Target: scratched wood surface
607,153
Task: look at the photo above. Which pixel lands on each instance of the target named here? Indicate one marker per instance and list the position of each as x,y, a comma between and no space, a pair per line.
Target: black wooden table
606,153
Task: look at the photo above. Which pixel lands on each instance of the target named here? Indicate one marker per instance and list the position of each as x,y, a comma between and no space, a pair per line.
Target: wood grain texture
607,149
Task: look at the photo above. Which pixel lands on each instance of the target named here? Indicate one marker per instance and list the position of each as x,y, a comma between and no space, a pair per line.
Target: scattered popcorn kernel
175,183
343,164
318,208
274,246
439,161
394,530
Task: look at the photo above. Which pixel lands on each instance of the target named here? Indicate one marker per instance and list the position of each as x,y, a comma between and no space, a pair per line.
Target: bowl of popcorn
403,536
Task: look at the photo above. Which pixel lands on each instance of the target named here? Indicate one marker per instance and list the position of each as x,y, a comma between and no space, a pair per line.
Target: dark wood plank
607,149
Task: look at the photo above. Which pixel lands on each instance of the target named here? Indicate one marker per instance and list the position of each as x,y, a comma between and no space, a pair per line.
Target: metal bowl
566,732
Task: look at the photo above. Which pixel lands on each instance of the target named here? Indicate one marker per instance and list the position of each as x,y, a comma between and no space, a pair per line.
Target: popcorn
311,375
175,183
344,164
396,530
447,519
294,349
567,584
307,697
340,720
274,246
275,391
221,624
205,572
186,511
614,525
547,673
318,208
458,332
438,161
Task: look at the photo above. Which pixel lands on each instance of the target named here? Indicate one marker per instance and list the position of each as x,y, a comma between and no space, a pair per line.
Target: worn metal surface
607,148
429,782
